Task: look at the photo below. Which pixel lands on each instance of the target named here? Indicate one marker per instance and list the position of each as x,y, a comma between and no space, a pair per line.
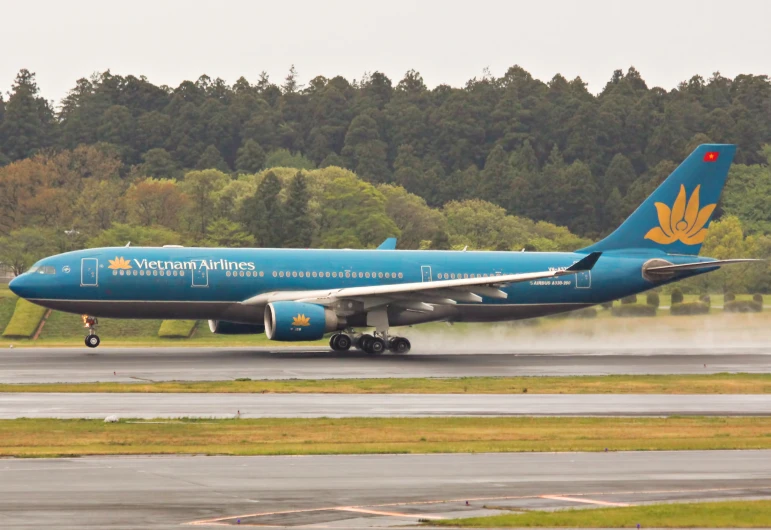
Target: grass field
608,384
727,514
25,320
300,436
177,329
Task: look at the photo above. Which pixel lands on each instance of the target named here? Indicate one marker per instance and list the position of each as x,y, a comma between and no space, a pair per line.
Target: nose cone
17,286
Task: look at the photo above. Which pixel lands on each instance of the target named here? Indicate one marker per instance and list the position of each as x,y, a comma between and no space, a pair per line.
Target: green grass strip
300,436
729,514
607,384
177,329
25,321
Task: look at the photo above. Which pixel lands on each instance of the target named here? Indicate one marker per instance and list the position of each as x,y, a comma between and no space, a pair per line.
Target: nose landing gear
90,323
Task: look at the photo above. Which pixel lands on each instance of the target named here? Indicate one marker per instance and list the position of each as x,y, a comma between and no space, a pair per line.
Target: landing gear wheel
92,341
363,342
400,345
376,345
340,342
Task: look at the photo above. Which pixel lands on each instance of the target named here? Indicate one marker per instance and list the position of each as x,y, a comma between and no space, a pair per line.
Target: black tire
363,342
400,345
376,346
343,342
333,341
92,341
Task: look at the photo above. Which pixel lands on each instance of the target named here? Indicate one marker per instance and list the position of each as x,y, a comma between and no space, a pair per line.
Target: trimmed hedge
689,308
729,297
634,310
653,299
757,297
631,299
25,320
177,329
677,296
743,306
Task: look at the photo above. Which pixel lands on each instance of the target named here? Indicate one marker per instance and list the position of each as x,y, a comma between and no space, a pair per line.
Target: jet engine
223,327
295,321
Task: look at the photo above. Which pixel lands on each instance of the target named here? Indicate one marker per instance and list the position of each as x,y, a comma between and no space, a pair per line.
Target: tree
27,125
285,158
416,221
152,202
201,188
364,151
620,175
212,159
299,227
226,233
147,236
251,157
158,163
496,183
22,248
263,213
353,215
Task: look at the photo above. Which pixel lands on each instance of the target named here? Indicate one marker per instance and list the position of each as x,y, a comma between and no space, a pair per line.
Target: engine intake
223,327
295,321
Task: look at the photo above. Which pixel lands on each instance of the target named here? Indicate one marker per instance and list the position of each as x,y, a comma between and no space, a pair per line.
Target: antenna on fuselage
128,244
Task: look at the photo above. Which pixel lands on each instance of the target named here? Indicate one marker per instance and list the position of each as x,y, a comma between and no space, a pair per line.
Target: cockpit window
42,269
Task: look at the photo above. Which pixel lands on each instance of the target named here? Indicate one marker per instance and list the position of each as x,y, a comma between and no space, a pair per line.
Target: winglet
388,244
586,263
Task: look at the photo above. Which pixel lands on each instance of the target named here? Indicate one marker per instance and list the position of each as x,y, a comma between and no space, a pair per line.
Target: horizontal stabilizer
585,264
696,266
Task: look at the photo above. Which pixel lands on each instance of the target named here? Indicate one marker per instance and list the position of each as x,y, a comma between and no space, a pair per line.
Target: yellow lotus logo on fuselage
301,320
684,222
119,263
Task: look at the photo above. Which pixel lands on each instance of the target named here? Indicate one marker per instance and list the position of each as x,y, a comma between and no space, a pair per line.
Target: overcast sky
446,41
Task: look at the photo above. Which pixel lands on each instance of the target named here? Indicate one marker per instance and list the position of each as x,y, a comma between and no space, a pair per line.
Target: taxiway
162,405
357,491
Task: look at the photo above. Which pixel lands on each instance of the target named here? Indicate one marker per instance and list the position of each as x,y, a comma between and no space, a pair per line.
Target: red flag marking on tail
711,156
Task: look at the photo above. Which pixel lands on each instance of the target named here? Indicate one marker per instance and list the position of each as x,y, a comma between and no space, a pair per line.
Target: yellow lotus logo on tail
684,222
119,263
301,320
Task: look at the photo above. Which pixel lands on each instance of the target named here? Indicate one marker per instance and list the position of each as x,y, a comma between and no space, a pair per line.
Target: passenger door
89,272
201,277
426,272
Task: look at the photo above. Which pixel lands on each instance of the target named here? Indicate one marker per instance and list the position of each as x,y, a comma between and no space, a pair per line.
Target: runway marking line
566,496
582,500
389,514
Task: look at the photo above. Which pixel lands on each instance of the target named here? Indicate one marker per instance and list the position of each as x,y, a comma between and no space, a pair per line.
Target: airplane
303,294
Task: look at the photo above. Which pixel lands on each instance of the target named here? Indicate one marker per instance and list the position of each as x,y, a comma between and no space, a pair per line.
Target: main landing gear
90,323
373,344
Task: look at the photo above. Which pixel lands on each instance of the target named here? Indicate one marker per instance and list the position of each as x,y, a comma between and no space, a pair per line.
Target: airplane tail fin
676,217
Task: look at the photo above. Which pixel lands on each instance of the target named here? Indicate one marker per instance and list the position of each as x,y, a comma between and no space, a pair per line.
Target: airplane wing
421,295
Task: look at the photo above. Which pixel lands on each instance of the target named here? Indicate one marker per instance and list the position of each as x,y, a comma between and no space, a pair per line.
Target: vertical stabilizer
675,218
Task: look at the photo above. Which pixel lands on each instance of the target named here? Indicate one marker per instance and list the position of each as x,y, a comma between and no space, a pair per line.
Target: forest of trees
502,163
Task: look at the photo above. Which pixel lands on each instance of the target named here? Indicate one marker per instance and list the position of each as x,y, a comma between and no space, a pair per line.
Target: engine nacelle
223,327
294,321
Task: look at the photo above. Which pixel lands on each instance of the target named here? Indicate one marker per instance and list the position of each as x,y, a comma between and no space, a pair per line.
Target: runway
147,406
48,365
357,491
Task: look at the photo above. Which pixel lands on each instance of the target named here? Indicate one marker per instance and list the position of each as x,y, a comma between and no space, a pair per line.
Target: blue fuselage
212,283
